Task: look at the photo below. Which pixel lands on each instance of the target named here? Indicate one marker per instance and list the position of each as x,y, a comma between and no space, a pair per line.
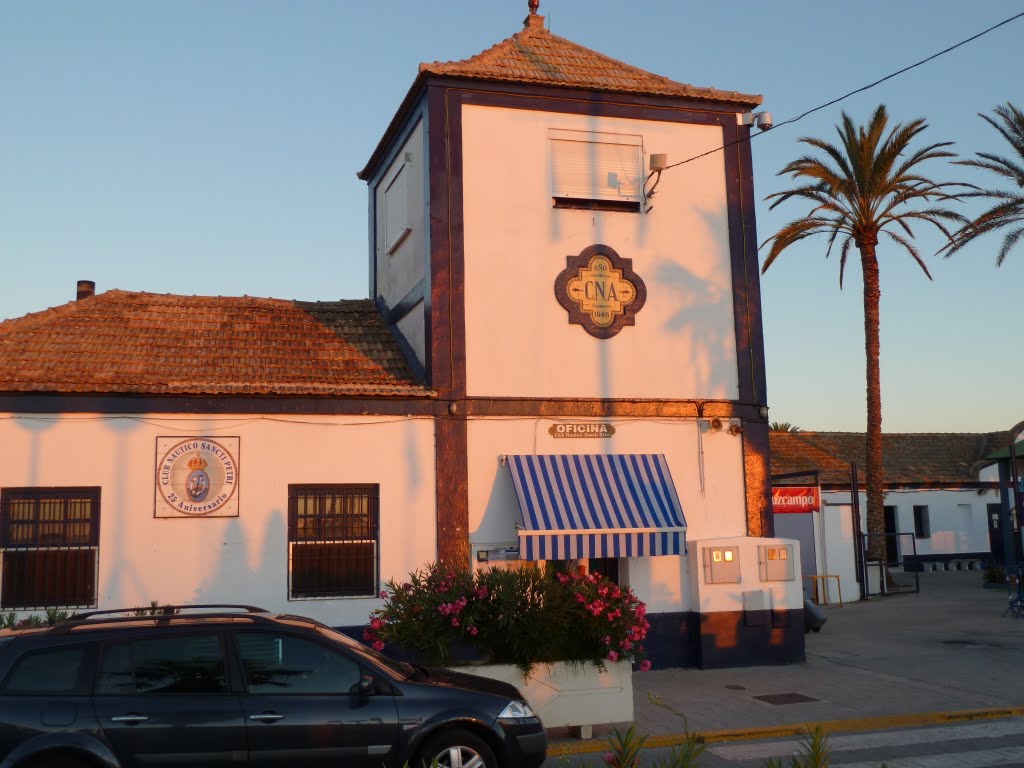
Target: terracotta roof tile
539,57
908,458
144,343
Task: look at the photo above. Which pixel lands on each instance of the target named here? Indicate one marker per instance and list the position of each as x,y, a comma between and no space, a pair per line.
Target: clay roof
144,343
908,458
538,57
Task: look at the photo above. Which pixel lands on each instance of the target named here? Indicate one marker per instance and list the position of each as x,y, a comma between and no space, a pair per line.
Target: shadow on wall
37,428
117,511
746,638
701,305
234,571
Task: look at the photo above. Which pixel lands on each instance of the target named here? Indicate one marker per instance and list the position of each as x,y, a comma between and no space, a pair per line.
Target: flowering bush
519,617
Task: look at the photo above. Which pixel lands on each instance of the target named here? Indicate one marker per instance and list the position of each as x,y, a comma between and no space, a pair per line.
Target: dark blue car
235,685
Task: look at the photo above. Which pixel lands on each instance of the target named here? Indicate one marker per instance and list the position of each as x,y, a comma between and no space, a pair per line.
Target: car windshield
399,669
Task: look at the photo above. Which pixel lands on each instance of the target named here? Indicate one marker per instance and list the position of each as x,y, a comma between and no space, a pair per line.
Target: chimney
86,288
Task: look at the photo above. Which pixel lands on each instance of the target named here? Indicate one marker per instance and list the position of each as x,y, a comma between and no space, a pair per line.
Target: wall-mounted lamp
711,425
763,410
657,163
762,120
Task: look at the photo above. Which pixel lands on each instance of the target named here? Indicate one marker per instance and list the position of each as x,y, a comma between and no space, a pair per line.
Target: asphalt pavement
944,655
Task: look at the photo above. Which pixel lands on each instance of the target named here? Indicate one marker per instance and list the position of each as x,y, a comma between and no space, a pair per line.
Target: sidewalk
942,655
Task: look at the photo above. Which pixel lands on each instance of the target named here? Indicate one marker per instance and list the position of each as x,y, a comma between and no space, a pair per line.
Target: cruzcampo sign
600,291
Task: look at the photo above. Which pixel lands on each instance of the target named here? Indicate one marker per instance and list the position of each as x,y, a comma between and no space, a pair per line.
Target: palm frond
909,247
1009,242
1008,210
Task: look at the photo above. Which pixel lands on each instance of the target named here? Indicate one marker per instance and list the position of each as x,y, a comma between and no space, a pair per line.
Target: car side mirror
365,686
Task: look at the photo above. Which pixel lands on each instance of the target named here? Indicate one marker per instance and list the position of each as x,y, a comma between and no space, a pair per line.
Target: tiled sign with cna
600,291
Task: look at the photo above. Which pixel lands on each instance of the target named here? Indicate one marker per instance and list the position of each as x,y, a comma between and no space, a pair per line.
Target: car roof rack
162,613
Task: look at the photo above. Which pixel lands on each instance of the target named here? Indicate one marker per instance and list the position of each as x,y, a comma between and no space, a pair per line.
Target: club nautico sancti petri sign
196,477
600,291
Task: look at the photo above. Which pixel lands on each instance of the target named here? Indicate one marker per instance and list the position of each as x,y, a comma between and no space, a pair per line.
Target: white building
943,502
542,302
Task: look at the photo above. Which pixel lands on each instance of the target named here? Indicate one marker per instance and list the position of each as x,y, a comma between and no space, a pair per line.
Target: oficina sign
584,430
796,498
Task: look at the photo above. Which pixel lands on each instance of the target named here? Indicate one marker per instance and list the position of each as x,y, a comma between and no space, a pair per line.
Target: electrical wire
848,95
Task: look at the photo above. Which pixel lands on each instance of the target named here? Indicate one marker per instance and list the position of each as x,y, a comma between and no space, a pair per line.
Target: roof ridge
556,60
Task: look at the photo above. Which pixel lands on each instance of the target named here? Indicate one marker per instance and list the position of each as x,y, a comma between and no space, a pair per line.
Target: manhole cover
785,698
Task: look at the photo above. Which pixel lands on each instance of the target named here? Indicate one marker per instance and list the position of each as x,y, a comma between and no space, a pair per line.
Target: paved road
930,679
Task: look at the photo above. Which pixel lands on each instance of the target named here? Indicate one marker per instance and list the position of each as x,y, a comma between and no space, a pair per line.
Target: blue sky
211,148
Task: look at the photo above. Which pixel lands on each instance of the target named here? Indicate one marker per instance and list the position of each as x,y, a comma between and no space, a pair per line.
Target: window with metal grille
50,543
332,540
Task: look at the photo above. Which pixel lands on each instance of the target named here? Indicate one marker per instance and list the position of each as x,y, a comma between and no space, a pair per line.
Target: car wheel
456,749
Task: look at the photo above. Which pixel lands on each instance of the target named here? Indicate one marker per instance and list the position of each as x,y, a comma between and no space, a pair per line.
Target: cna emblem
197,477
600,291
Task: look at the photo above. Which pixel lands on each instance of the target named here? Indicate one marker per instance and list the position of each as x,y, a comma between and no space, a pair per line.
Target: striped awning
597,505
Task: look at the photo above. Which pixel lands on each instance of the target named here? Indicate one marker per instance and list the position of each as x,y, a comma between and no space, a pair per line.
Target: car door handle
129,719
267,717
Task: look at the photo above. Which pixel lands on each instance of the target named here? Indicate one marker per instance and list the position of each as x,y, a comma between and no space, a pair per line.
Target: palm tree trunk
872,345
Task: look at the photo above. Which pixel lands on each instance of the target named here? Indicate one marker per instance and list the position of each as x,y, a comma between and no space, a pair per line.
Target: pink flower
606,640
645,666
368,635
613,655
378,645
383,595
473,630
376,623
609,757
455,621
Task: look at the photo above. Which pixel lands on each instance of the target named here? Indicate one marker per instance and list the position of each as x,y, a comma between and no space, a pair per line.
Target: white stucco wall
714,509
519,341
753,590
958,525
238,559
958,520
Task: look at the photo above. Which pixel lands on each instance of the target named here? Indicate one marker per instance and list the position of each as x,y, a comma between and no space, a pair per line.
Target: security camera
763,120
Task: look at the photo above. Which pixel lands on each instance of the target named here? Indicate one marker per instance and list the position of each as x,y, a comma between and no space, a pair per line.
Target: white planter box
577,695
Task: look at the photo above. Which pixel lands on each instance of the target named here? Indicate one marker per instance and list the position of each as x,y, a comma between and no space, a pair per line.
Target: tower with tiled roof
564,240
555,231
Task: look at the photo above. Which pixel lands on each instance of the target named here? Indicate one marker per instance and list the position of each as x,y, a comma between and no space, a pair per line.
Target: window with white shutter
596,170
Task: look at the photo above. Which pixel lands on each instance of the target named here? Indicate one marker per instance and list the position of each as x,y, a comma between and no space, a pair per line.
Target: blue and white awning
597,505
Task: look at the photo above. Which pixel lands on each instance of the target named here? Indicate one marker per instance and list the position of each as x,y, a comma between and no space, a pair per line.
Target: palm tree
866,186
1008,208
783,426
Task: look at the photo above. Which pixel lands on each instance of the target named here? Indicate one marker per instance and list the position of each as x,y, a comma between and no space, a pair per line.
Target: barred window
332,540
50,543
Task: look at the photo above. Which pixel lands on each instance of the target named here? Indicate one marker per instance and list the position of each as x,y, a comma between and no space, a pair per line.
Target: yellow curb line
776,731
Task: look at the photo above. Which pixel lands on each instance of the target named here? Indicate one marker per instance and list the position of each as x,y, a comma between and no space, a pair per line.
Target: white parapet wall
748,593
